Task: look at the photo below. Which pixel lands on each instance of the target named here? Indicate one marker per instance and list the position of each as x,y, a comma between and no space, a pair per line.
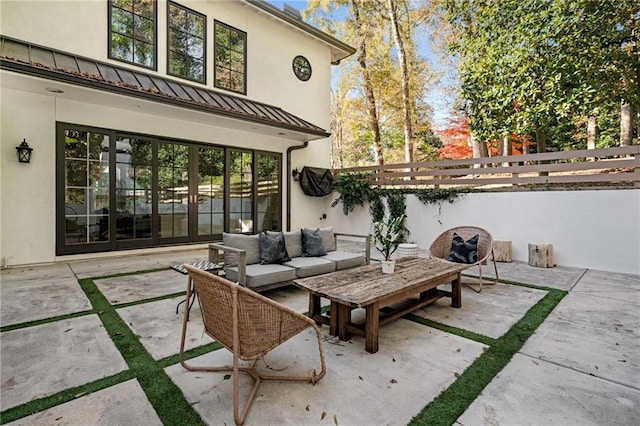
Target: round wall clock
302,68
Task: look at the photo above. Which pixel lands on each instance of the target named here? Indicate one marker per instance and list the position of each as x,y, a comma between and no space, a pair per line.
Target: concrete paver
414,364
122,404
558,277
42,360
132,288
625,287
529,391
39,292
491,312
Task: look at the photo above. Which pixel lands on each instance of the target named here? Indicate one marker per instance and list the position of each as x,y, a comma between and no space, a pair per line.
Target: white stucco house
156,123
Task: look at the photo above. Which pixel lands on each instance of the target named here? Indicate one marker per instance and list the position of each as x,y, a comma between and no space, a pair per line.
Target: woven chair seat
247,324
441,247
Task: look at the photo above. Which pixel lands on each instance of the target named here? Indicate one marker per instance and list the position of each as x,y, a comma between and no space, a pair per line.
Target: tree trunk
404,69
479,149
368,86
592,132
507,148
541,142
626,124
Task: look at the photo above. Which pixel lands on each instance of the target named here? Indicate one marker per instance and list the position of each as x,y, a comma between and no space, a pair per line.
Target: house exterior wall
27,196
588,229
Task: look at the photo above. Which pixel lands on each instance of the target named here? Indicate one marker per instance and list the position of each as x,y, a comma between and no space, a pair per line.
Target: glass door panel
268,195
86,187
173,190
241,192
133,195
210,217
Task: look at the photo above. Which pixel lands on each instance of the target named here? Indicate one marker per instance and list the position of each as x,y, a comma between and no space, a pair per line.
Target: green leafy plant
387,235
354,189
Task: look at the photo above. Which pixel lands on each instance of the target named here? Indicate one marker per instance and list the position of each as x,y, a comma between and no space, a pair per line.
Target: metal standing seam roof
30,59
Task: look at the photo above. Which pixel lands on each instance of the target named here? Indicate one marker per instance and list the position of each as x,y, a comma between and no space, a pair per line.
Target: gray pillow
292,240
249,243
328,238
312,244
273,249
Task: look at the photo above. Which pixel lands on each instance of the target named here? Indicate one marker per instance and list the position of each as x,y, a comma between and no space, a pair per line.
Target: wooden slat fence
583,169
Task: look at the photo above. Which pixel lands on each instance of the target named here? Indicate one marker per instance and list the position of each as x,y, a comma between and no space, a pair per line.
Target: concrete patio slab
414,364
559,277
132,288
122,404
529,391
123,263
159,328
42,360
593,335
624,287
39,292
491,312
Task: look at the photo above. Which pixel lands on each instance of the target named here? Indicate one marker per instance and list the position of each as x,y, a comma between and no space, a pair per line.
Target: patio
95,342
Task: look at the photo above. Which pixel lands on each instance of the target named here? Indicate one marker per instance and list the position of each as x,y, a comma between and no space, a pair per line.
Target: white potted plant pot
388,266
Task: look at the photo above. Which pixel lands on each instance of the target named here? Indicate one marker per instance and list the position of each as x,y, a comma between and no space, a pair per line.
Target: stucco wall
588,229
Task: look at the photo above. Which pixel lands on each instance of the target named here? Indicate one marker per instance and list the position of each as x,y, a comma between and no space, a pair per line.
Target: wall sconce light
24,152
296,175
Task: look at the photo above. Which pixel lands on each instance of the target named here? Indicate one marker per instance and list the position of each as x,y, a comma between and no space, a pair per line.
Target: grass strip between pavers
447,407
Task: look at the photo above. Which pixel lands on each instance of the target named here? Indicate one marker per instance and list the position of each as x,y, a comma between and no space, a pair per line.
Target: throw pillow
312,244
463,251
328,238
273,249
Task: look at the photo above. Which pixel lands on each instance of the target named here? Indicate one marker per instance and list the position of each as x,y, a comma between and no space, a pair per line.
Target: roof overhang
235,112
339,49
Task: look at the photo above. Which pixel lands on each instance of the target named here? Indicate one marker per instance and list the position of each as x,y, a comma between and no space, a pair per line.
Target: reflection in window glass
132,31
86,187
187,48
210,191
173,190
230,59
268,198
241,192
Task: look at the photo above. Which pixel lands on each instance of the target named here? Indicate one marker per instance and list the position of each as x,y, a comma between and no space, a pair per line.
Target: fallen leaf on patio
393,381
596,367
324,414
68,329
339,354
360,377
456,374
534,362
622,360
307,408
458,350
335,419
394,360
227,376
80,394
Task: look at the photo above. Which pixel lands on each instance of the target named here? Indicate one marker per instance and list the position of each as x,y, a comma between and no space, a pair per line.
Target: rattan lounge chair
247,324
441,247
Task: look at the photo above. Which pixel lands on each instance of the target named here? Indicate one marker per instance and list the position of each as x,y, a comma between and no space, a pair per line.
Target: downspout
289,150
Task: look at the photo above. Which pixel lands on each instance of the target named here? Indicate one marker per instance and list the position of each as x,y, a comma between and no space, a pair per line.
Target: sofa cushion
343,259
249,243
261,275
328,238
309,266
293,241
272,249
312,244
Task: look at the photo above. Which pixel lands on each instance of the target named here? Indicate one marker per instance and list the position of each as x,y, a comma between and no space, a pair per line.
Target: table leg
333,318
371,327
314,308
344,317
456,293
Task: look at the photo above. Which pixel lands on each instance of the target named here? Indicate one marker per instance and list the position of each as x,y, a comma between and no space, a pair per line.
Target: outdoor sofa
242,257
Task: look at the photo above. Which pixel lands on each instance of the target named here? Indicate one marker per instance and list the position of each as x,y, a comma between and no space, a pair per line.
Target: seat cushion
261,275
343,259
309,266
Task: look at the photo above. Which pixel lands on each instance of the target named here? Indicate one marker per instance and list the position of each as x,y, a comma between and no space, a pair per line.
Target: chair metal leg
495,267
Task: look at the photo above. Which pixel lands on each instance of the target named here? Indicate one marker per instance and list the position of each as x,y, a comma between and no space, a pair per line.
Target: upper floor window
230,58
132,31
186,46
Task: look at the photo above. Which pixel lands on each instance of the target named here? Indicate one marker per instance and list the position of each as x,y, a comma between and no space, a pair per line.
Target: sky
440,99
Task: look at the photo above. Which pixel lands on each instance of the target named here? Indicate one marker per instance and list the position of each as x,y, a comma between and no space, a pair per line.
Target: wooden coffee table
367,287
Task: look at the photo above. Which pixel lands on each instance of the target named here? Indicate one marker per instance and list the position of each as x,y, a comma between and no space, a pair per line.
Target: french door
118,191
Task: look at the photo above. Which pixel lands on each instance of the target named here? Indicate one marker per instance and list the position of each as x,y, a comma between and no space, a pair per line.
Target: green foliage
388,234
355,189
397,207
437,195
376,209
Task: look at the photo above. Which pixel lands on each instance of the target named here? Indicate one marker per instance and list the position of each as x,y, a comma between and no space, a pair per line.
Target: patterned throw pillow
273,249
463,251
312,244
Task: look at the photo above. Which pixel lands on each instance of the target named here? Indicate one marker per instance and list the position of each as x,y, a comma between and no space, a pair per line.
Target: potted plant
386,237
